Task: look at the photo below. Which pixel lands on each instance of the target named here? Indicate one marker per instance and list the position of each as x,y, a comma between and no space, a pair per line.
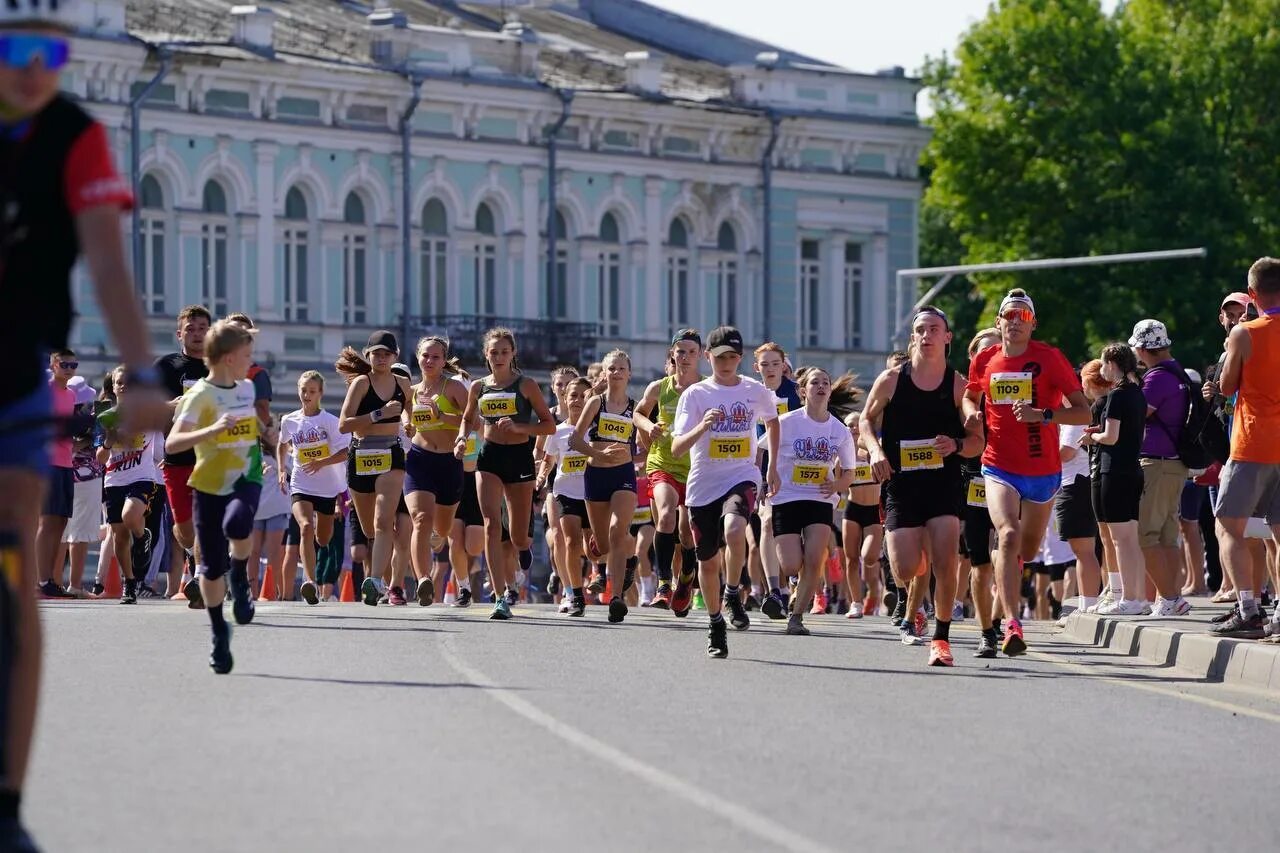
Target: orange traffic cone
113,583
450,593
607,595
268,591
348,589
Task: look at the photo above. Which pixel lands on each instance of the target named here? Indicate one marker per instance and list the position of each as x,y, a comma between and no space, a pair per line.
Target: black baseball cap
724,340
687,335
382,339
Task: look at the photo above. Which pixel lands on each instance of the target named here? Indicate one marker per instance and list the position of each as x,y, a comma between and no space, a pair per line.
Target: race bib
644,515
372,462
243,433
809,475
782,406
1009,388
977,493
574,463
919,456
423,418
313,452
138,442
187,383
842,504
615,427
731,448
499,404
471,445
862,475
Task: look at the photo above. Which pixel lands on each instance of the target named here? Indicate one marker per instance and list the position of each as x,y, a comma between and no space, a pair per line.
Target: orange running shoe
940,654
819,603
1014,644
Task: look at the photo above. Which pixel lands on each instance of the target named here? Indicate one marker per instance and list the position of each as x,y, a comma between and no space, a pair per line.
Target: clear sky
862,35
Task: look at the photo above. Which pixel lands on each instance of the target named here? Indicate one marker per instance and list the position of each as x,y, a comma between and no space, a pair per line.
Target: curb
1242,662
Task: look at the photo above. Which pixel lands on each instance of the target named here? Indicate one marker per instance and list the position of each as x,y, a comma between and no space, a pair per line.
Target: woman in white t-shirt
319,452
569,493
812,460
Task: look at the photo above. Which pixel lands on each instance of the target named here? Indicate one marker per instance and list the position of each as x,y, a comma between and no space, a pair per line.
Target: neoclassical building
594,173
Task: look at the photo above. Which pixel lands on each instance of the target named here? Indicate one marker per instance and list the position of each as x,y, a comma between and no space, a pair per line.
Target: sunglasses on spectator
21,50
68,365
1021,315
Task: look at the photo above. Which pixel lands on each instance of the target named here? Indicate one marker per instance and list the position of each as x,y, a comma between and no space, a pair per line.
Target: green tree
1060,130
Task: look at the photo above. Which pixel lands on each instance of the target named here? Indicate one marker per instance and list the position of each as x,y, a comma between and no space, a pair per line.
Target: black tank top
916,416
371,401
611,427
509,402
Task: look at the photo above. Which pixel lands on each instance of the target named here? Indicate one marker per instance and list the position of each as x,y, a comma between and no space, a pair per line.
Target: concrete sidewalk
1184,643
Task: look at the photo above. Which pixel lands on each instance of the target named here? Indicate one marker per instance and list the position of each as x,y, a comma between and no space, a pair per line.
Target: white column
265,156
652,257
530,177
879,324
832,302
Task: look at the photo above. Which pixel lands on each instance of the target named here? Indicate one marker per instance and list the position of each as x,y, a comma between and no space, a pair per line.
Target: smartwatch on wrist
376,414
1047,414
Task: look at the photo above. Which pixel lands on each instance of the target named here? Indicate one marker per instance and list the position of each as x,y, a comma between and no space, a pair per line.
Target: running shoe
220,660
1165,608
737,613
578,606
957,612
617,610
130,594
51,589
427,592
369,592
309,593
1103,600
564,605
1271,632
395,597
191,589
921,623
597,583
1126,607
819,603
891,604
464,598
140,548
501,610
98,588
795,627
512,596
718,639
855,611
908,633
870,606
773,606
699,603
986,647
553,585
940,654
145,591
682,599
242,608
1223,617
1014,644
662,598
1241,628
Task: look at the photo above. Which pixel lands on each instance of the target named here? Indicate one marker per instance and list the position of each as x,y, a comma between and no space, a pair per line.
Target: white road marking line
683,791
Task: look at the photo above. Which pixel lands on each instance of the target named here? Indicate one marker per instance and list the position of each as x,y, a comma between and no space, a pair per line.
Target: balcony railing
540,344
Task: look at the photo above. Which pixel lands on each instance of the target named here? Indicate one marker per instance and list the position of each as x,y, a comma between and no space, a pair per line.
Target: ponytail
845,396
351,364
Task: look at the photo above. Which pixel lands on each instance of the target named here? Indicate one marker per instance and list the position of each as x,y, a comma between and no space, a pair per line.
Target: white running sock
1248,605
1115,583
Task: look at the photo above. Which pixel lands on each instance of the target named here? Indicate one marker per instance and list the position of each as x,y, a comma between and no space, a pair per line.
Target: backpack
1204,439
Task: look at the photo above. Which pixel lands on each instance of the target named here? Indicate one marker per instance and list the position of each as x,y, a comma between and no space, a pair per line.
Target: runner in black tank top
913,435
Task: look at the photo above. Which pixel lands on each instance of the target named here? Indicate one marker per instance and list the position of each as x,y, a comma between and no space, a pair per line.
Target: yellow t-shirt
232,454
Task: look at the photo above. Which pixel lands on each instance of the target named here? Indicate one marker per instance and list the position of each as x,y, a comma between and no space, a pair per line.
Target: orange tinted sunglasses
1023,315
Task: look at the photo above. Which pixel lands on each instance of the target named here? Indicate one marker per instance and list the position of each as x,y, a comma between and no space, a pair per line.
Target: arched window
435,259
678,314
486,261
151,277
214,232
355,262
558,293
610,284
727,270
295,241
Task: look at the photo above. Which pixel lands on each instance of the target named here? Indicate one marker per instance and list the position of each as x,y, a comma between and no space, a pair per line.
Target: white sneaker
1105,600
1131,607
855,611
565,604
1165,608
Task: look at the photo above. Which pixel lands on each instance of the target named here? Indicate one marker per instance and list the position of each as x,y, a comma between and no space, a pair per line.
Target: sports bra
508,402
446,407
372,402
617,428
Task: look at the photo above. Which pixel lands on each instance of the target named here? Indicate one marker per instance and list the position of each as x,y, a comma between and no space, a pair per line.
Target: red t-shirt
90,176
1041,376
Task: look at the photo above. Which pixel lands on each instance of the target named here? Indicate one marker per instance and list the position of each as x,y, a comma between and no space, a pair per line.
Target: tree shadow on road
374,682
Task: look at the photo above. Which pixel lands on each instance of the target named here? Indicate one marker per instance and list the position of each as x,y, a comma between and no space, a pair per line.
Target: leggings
329,560
221,519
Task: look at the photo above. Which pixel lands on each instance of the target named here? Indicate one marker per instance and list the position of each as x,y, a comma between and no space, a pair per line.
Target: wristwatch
1047,414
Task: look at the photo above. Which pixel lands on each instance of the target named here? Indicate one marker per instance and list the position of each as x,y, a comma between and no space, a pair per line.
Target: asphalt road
346,727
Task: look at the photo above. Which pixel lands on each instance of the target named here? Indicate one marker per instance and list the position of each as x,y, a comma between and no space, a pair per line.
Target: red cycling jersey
1041,376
